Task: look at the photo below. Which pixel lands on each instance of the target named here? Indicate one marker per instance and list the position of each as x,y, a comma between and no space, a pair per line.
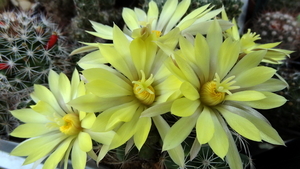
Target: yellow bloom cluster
193,66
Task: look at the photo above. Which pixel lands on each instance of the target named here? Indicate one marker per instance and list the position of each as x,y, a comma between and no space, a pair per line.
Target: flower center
209,94
157,33
71,124
143,90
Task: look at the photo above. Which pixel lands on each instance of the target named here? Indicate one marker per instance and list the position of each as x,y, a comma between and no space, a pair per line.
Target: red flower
52,41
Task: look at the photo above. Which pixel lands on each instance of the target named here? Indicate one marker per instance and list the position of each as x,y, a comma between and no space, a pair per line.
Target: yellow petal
177,153
219,142
184,107
194,14
189,91
188,50
214,39
227,56
58,154
249,61
118,61
30,130
101,137
103,151
195,149
103,31
93,103
140,14
254,76
271,85
92,60
138,54
202,55
42,151
130,19
125,132
248,95
29,116
233,156
84,141
241,125
142,131
88,121
83,49
64,94
205,128
178,13
179,131
77,86
267,132
271,101
104,88
44,94
187,70
53,80
153,14
107,73
166,13
122,113
202,26
78,156
33,145
157,109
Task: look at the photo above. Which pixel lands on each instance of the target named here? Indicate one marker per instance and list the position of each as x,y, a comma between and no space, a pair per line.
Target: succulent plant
278,26
30,45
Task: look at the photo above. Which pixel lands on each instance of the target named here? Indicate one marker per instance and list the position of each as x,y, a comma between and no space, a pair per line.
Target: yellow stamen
157,33
143,90
209,94
71,124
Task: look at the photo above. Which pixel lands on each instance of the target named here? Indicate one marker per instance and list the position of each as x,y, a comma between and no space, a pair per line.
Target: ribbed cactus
30,45
278,26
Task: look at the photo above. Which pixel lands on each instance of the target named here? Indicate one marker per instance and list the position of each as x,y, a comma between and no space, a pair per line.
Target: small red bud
52,41
3,66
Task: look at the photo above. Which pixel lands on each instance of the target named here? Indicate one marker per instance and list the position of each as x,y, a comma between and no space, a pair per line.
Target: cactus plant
30,45
278,26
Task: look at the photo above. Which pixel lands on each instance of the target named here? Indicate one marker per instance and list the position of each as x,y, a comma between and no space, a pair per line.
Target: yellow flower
55,129
248,44
171,16
218,88
137,81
